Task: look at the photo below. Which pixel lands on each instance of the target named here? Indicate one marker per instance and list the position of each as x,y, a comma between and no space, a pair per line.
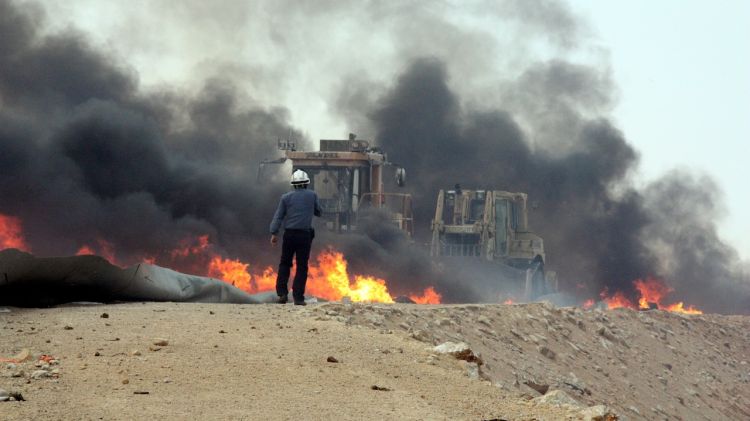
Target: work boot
282,299
300,303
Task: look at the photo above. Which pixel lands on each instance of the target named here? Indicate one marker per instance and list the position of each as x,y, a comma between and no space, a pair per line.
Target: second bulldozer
492,225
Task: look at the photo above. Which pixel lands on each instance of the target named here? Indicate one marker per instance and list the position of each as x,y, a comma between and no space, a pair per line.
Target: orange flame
231,271
328,276
654,291
265,281
11,235
680,308
105,249
651,291
85,250
329,279
588,303
618,300
509,301
190,248
429,296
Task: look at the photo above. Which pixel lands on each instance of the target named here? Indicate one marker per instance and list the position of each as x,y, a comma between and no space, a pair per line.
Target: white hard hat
300,177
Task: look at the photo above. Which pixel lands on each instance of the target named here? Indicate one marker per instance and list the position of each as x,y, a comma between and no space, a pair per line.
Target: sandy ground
225,361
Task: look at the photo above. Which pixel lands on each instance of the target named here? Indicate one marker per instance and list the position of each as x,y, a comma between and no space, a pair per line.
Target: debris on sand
22,356
10,396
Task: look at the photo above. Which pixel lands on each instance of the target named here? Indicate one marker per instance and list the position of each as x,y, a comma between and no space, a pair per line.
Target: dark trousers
295,242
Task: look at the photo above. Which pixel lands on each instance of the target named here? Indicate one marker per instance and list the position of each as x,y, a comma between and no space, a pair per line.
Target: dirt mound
645,364
360,361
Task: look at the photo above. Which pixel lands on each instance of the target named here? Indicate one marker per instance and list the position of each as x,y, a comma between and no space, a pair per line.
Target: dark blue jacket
296,210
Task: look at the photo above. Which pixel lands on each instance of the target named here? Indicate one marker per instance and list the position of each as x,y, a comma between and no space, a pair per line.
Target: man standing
296,210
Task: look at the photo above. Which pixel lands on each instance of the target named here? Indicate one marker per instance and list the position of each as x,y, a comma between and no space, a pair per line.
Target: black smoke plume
599,231
89,157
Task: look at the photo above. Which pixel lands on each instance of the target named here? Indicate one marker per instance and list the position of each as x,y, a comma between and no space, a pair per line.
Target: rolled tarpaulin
29,281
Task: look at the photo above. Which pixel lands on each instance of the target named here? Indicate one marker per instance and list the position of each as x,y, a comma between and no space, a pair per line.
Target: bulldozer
349,177
492,225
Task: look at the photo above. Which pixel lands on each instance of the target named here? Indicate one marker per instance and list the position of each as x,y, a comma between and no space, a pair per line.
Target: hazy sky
683,72
681,67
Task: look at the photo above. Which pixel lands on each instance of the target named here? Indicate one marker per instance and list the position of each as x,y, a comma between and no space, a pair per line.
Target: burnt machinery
348,176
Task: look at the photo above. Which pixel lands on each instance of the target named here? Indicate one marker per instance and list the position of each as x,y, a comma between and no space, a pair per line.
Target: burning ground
374,361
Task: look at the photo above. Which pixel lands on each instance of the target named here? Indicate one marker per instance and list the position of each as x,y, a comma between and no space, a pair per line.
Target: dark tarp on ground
28,281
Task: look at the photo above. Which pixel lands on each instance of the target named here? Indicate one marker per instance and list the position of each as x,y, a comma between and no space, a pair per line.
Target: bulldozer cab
348,176
491,224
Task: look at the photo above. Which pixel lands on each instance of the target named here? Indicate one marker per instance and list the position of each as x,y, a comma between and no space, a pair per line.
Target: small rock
135,353
380,388
518,335
598,413
557,398
451,347
4,396
160,342
17,396
24,355
459,350
472,370
68,327
125,381
443,321
420,335
40,374
541,388
605,332
546,352
332,360
104,316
